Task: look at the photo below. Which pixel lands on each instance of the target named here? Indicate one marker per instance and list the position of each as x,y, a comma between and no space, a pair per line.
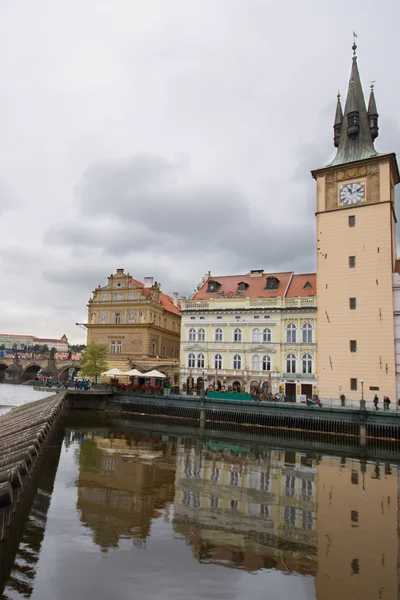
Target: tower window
353,303
353,385
352,221
352,262
353,345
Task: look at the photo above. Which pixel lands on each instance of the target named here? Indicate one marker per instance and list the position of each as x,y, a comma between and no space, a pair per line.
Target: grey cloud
149,209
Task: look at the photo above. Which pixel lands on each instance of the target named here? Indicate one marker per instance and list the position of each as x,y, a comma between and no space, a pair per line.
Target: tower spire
373,113
354,139
338,122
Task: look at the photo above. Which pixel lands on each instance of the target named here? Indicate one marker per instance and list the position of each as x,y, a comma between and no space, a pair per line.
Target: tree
94,360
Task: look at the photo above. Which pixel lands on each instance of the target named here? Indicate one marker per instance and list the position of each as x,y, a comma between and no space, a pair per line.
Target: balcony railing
298,375
249,303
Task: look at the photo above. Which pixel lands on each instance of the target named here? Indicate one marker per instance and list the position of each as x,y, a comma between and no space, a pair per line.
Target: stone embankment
24,434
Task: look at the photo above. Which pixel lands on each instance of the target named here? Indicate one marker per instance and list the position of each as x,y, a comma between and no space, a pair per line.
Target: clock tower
356,254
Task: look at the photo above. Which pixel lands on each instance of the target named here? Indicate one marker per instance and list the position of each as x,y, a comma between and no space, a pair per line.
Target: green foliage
94,360
77,347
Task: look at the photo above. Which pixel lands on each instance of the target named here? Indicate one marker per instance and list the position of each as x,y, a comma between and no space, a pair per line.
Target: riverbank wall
209,414
25,434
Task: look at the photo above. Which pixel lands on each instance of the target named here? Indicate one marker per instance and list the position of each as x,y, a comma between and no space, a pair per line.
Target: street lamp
362,389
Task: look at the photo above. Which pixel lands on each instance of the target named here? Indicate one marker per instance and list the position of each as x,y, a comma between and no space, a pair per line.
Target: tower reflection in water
248,507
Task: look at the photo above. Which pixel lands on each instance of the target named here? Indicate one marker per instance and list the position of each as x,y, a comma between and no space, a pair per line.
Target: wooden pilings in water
24,433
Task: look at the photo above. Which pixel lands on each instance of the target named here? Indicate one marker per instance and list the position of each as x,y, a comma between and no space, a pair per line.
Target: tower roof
339,112
362,145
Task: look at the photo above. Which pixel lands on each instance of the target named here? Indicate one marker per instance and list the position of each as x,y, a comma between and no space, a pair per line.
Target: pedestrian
386,402
375,401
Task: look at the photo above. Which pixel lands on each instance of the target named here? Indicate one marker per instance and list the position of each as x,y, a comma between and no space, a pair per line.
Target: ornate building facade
251,331
137,322
356,255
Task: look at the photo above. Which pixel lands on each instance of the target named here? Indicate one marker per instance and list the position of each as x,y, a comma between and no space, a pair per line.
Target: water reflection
124,483
230,509
246,509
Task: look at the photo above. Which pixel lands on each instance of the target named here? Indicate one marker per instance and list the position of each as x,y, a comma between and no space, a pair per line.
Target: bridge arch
3,368
64,372
30,372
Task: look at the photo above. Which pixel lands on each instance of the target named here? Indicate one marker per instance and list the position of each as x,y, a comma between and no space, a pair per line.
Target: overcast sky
170,138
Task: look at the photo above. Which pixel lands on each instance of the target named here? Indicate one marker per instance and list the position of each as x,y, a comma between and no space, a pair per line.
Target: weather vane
354,47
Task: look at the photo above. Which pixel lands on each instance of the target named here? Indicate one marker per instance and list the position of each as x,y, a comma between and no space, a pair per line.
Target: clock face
352,193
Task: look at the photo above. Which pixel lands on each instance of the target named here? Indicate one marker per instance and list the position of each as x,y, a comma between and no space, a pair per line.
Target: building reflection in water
249,508
124,482
357,530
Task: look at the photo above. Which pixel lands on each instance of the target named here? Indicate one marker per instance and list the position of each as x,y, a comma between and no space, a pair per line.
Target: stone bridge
18,370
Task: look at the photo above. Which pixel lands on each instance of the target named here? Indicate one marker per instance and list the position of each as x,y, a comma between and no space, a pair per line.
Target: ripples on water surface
14,395
136,514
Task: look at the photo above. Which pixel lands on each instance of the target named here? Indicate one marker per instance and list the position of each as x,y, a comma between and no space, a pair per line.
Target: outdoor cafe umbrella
155,374
112,372
134,373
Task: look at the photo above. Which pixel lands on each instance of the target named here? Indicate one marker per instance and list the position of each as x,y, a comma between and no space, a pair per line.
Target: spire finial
338,95
372,85
354,46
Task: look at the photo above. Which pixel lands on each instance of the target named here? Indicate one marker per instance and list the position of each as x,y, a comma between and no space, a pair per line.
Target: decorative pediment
262,348
196,348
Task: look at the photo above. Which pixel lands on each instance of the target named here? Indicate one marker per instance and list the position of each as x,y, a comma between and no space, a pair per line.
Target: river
15,395
139,510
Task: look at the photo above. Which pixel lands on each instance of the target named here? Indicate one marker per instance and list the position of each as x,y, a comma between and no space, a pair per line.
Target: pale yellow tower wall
371,324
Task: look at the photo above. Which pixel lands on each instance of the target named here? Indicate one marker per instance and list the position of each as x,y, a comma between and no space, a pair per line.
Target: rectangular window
353,385
352,262
234,478
117,318
119,347
352,303
352,221
354,516
353,345
354,477
113,347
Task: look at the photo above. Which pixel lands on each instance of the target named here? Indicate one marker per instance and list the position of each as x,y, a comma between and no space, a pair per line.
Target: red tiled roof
256,289
296,287
292,284
17,335
49,340
167,301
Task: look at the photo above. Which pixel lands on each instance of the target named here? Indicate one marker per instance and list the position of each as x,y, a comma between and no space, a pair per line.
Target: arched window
256,335
201,335
217,361
237,361
307,333
307,363
192,335
290,363
267,335
218,335
255,363
237,335
291,331
266,363
191,361
200,361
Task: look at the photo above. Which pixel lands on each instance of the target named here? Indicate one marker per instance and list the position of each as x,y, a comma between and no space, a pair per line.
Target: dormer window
272,283
213,286
242,285
307,285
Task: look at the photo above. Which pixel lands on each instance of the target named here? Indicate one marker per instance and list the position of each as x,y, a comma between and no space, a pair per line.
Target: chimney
148,282
175,295
120,271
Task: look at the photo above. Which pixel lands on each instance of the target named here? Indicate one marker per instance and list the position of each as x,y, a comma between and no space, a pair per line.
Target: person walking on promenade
376,400
386,402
